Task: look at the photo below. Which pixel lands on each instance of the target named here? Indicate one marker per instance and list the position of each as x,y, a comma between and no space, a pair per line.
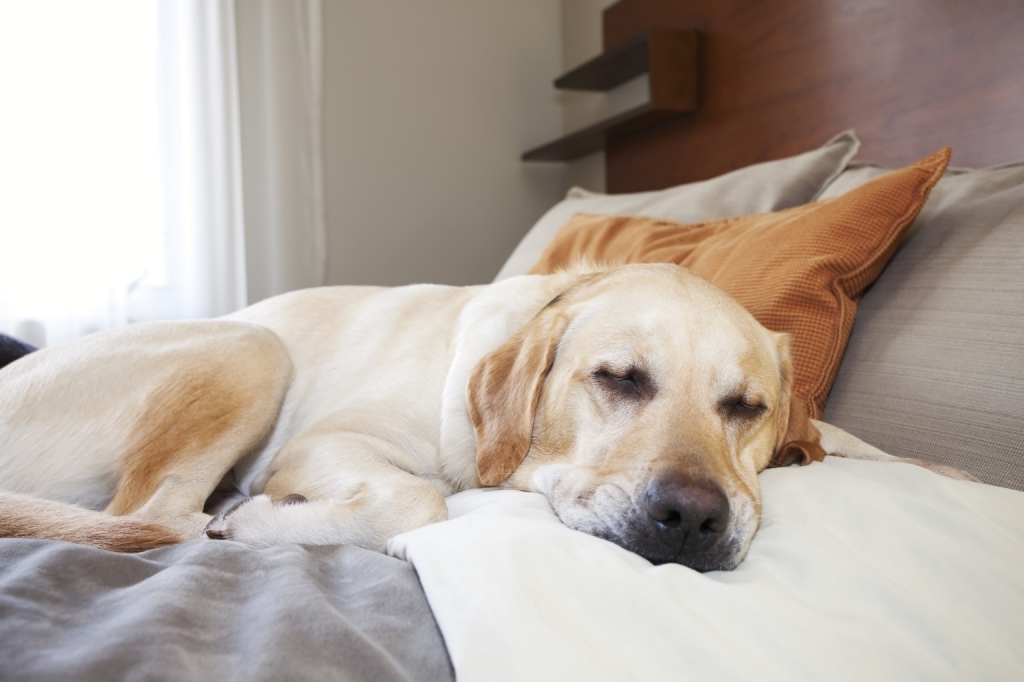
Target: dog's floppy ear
798,440
503,392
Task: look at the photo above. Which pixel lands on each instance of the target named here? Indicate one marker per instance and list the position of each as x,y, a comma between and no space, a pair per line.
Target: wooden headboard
779,77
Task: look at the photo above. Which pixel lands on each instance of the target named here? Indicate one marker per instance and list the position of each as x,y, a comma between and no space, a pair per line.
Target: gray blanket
213,611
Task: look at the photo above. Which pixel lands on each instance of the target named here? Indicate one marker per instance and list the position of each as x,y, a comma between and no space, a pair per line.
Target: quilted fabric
800,271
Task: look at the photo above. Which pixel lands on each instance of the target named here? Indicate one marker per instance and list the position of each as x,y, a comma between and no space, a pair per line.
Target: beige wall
581,40
427,107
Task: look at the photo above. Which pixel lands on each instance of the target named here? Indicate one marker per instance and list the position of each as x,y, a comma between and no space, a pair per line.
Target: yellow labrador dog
641,401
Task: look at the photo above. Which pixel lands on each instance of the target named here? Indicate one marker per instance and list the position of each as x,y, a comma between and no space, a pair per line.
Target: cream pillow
764,187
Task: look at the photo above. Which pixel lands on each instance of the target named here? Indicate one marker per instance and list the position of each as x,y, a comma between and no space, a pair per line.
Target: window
81,200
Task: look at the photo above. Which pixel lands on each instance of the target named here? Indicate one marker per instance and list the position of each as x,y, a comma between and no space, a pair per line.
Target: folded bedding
861,571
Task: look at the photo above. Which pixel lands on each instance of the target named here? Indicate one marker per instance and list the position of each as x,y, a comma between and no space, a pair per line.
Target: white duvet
860,571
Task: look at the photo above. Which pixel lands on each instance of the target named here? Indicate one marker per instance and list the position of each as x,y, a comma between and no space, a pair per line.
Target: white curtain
201,163
123,170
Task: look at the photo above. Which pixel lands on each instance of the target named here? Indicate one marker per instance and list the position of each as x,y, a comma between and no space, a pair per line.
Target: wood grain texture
780,77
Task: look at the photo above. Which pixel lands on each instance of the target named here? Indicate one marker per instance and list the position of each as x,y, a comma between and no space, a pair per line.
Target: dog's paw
218,528
254,520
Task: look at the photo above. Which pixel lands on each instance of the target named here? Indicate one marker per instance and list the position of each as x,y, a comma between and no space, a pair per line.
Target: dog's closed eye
740,407
631,383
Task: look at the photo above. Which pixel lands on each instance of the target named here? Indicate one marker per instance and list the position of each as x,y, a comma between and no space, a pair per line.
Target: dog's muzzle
684,521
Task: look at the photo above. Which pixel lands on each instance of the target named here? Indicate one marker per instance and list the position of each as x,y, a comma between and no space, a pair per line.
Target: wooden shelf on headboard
667,55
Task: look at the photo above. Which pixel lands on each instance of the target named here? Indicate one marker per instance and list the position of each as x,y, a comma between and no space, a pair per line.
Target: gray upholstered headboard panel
935,366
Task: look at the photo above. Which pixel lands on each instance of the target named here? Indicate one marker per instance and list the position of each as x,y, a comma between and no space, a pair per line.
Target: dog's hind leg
195,428
332,488
143,421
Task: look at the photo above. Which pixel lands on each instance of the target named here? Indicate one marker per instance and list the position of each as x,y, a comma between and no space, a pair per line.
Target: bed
861,570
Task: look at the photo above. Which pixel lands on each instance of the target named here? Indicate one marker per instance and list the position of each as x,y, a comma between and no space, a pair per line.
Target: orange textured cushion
799,271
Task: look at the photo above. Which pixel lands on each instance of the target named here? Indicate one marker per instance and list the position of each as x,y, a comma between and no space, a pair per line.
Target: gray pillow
763,187
935,366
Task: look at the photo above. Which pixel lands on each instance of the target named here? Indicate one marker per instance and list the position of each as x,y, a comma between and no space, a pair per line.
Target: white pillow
860,571
764,187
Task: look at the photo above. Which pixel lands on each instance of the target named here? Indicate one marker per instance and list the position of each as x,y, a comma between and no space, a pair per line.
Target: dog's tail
23,516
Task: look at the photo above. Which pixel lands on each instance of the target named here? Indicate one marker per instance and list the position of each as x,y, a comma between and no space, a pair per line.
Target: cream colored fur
373,404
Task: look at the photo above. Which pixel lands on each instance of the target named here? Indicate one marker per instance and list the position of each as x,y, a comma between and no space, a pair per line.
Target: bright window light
80,185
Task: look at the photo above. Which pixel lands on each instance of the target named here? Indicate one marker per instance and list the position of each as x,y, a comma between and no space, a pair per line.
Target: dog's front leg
839,443
333,488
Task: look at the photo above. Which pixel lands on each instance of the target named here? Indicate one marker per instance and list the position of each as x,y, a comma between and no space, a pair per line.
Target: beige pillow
769,186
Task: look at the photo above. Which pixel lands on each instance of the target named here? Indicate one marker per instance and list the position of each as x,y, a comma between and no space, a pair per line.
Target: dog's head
643,402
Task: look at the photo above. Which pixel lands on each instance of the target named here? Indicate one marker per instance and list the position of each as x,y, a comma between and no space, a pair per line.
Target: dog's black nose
689,515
